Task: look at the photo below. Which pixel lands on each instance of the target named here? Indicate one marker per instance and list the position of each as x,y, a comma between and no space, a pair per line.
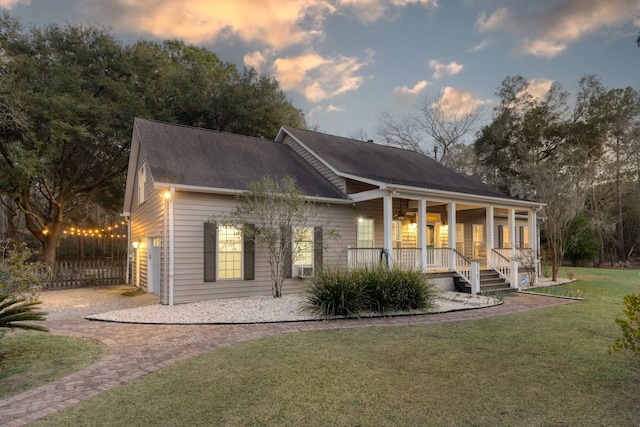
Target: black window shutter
521,236
501,236
317,247
286,242
249,256
209,252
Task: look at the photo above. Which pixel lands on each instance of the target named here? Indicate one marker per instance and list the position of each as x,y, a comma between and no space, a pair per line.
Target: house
386,203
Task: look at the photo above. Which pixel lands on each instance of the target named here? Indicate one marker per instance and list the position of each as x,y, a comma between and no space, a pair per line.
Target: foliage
377,289
272,214
630,341
19,283
18,308
333,293
68,97
582,242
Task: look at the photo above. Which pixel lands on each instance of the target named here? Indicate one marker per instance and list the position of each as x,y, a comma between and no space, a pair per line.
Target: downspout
173,192
128,247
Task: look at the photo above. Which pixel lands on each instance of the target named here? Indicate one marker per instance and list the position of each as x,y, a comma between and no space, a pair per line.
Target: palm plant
16,308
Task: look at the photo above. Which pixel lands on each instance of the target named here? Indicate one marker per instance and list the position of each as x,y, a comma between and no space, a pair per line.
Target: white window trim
225,279
373,232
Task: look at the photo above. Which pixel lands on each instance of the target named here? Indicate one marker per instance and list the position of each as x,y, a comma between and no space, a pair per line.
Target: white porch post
533,238
387,217
490,235
512,231
451,220
422,233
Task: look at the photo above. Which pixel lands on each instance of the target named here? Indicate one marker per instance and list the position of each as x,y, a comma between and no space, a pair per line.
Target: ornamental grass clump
334,293
377,289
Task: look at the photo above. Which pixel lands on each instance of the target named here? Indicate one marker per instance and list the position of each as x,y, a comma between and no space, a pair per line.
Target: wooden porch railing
407,258
438,258
501,264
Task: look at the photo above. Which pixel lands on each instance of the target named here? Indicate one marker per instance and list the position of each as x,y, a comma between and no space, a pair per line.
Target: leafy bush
18,308
375,289
630,341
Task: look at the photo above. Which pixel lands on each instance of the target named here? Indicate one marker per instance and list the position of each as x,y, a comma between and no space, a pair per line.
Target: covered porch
433,233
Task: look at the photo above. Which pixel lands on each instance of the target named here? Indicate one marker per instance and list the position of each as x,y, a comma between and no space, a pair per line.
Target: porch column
490,235
422,233
387,217
451,229
512,231
533,240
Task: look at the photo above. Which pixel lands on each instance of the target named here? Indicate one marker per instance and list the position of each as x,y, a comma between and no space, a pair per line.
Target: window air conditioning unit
304,272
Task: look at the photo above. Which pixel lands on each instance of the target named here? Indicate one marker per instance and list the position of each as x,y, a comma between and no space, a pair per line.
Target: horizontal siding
146,221
192,210
336,180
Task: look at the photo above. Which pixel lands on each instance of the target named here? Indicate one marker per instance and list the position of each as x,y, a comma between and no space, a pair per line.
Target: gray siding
336,180
192,210
146,222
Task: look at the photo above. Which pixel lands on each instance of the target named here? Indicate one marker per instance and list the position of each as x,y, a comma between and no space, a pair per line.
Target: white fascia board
368,195
447,196
233,192
131,169
320,159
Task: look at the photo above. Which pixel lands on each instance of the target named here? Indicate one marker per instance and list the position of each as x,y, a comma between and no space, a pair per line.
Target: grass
30,359
545,367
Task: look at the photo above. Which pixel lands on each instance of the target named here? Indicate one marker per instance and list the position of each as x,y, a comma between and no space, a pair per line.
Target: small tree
630,341
272,214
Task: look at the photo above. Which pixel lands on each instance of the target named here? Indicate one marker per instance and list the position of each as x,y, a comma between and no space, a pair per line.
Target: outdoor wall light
167,195
134,244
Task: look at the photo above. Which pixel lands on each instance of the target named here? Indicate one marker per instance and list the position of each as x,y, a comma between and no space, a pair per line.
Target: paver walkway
138,350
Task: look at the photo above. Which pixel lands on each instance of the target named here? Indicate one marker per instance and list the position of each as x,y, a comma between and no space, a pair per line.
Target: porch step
490,281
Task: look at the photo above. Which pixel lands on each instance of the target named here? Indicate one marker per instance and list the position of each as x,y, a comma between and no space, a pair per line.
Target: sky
346,62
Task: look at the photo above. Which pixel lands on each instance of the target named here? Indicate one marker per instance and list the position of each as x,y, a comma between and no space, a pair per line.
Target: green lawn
29,359
546,367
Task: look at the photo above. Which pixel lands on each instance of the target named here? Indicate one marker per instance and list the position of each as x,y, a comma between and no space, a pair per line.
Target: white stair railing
467,270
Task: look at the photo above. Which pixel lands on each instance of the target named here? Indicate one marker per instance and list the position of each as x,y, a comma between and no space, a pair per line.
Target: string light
111,231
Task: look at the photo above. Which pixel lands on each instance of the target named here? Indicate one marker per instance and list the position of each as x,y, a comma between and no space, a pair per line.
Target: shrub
18,308
334,293
630,341
378,289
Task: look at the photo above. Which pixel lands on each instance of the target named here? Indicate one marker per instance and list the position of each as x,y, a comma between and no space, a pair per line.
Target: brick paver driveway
138,350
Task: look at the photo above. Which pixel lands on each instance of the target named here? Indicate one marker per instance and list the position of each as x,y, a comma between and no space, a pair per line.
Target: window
303,247
444,237
503,237
229,253
479,250
142,179
396,234
365,233
524,237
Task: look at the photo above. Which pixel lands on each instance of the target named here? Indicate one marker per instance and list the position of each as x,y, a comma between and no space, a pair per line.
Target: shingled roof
189,156
388,164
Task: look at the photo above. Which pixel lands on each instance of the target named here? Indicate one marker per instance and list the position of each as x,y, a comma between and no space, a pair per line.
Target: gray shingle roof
389,164
185,155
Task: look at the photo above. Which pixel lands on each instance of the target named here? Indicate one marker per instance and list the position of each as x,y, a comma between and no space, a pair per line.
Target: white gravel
288,308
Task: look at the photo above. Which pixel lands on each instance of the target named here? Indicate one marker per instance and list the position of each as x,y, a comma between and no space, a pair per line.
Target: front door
153,285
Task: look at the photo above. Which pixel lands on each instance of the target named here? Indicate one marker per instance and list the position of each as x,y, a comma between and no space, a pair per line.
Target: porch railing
438,258
469,271
407,258
501,263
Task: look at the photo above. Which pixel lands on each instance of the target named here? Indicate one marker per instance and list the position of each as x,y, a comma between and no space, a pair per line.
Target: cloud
274,23
442,70
318,112
319,77
254,60
458,101
368,11
538,88
9,4
404,96
549,31
480,46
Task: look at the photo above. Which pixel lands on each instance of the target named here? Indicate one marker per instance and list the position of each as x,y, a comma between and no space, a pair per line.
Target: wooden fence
87,272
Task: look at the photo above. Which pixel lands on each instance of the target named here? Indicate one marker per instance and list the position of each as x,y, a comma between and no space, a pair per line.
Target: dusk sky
345,62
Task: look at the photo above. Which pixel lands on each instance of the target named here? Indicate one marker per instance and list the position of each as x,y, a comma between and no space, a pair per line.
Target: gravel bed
289,308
